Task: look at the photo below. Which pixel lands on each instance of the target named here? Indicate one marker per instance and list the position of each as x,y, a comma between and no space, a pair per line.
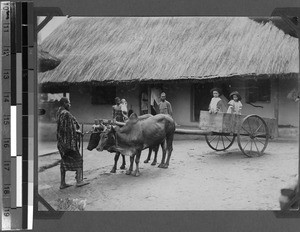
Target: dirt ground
198,178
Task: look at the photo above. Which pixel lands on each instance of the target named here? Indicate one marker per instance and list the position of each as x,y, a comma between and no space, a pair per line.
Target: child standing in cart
216,104
235,105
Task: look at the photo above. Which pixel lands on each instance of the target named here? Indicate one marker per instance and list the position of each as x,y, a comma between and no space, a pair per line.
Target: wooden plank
149,99
210,122
191,132
229,123
232,123
276,105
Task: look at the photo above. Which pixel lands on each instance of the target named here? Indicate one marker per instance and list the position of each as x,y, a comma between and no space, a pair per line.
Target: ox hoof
128,172
136,174
146,161
113,170
153,163
122,167
161,165
165,166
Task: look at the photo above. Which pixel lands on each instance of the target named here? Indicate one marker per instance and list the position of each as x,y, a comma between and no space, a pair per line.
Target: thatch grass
147,49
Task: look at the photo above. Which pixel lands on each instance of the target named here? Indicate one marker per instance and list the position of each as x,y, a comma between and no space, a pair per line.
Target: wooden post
276,105
298,33
82,146
149,99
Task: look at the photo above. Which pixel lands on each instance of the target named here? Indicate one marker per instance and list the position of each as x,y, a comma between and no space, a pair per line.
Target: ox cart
220,130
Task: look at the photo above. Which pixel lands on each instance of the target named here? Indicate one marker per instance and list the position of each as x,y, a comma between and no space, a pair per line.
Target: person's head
123,101
163,96
64,102
216,92
235,96
117,100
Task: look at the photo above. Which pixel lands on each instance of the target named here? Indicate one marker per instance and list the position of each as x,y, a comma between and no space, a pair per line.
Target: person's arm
240,107
113,113
67,131
170,109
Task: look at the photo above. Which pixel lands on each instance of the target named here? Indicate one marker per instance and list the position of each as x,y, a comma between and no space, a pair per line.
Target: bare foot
81,183
65,186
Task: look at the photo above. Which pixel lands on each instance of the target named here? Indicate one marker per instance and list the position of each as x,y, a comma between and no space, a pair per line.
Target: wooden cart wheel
219,142
256,133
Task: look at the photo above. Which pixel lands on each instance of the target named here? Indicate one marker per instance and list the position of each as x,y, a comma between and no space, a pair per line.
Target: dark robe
68,140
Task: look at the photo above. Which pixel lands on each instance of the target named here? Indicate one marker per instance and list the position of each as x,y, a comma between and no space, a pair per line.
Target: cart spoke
260,141
246,130
218,142
227,138
250,152
258,128
256,147
223,142
249,126
246,144
213,139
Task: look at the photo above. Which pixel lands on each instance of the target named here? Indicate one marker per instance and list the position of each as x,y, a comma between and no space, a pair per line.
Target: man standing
165,106
117,111
68,144
117,116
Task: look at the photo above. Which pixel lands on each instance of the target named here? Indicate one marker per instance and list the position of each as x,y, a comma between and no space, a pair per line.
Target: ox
93,143
95,138
138,134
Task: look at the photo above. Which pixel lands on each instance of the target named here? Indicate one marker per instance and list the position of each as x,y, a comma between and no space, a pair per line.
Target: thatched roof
144,49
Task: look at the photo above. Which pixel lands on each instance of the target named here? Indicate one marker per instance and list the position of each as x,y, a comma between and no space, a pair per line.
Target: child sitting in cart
216,103
235,105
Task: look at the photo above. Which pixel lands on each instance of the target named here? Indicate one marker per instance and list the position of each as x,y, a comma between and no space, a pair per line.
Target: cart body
223,128
230,123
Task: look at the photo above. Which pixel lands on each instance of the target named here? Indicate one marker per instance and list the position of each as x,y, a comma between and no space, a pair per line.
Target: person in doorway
235,105
68,140
165,106
117,114
124,109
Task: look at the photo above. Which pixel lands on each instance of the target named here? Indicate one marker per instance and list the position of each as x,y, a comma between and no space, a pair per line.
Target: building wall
288,109
264,109
82,108
180,96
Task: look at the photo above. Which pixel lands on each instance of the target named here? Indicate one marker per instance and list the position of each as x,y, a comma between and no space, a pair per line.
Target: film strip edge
5,115
17,115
